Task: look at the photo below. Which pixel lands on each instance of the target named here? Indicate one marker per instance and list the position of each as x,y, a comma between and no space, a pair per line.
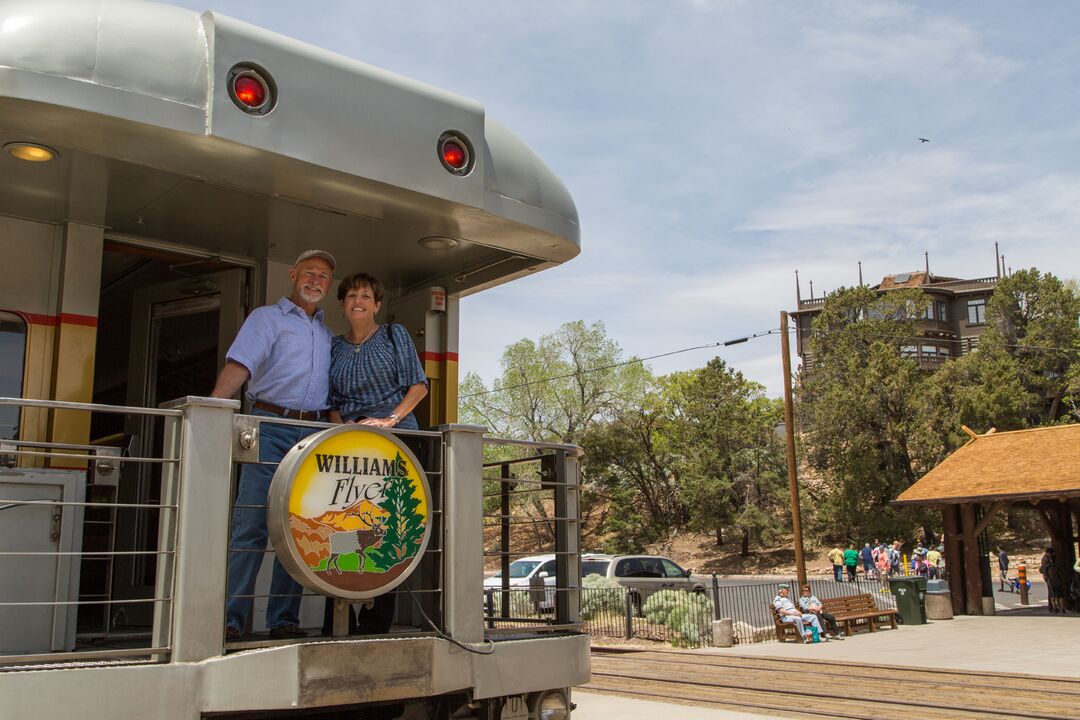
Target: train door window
12,364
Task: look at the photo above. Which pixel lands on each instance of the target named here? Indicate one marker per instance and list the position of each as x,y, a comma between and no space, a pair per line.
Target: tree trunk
745,552
930,538
719,536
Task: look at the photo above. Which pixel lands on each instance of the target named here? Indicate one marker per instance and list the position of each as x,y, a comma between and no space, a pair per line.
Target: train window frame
16,324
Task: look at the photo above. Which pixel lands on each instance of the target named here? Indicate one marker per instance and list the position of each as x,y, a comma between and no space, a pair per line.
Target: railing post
197,532
715,598
567,538
629,615
463,518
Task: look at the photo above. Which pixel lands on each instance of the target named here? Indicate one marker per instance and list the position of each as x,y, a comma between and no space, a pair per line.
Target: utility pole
789,432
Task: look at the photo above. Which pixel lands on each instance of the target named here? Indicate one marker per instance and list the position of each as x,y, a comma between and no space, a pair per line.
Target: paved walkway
1031,642
1036,643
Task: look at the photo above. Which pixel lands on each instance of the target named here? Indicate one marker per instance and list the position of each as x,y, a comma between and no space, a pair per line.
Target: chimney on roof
926,254
997,261
811,289
798,291
860,274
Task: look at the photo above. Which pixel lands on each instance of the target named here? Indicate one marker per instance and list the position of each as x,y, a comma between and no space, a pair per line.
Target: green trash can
910,595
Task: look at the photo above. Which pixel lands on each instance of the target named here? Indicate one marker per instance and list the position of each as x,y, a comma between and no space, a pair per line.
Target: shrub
687,615
600,595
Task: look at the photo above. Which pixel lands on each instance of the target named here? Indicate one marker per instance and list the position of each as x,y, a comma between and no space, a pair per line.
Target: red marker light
250,90
454,155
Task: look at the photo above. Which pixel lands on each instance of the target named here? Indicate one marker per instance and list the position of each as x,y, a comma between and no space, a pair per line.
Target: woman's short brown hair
359,280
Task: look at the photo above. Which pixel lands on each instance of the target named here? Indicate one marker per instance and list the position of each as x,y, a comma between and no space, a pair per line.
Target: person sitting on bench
809,603
790,614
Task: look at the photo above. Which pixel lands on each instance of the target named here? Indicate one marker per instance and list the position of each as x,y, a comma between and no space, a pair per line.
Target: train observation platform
1013,665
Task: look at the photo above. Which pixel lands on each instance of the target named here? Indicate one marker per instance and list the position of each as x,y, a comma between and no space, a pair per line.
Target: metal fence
684,619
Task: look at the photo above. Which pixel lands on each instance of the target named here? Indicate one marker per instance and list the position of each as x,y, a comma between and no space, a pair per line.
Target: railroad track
828,689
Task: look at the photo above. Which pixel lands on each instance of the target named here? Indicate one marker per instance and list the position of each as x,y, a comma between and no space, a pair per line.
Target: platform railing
532,537
67,531
166,590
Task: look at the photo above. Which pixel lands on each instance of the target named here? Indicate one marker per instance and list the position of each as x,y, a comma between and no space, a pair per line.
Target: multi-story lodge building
951,326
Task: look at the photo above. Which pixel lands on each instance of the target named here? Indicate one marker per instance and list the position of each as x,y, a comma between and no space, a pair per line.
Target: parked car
533,571
644,574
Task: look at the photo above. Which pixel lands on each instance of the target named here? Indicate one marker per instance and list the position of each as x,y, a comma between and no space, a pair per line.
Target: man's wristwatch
394,416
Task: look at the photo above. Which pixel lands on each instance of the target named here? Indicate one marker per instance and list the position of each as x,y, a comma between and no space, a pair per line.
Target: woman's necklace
356,346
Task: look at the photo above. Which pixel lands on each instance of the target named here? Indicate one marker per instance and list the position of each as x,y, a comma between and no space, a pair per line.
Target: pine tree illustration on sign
404,525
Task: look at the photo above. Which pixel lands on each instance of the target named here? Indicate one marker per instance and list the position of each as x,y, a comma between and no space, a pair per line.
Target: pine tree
404,525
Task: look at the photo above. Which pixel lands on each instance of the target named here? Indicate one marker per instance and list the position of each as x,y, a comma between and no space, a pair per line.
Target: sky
714,147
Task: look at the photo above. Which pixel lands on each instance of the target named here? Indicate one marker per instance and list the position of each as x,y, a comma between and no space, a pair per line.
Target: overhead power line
631,361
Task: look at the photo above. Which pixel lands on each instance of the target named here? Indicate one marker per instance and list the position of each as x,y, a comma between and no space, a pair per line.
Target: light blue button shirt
287,354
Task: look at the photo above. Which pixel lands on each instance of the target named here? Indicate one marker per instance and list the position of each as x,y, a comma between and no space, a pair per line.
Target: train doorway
165,324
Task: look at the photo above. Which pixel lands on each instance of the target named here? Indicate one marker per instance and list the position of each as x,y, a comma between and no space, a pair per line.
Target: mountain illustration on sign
364,537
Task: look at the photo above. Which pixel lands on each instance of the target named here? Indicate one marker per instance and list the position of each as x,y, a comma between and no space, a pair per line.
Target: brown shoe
287,632
232,634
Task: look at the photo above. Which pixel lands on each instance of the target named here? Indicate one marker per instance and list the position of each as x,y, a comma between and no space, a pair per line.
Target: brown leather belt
289,413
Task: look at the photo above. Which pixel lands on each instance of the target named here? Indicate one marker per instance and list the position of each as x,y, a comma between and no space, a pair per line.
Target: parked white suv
645,574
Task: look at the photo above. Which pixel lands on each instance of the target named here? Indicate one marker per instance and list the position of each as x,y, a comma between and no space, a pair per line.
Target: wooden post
789,433
954,558
972,575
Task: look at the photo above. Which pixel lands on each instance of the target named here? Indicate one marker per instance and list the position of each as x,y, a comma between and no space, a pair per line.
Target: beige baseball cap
322,254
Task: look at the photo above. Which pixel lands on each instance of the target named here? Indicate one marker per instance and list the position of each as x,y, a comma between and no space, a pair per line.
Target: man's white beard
311,296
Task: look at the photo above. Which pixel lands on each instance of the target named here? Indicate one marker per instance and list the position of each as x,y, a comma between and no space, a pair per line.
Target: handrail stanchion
463,526
200,526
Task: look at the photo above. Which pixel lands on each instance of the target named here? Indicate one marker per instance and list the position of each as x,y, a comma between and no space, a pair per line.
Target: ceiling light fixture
438,242
31,152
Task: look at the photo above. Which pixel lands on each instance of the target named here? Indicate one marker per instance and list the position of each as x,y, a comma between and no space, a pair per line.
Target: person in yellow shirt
836,557
933,560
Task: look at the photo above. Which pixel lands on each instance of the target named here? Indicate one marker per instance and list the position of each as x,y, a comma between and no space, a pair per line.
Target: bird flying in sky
924,139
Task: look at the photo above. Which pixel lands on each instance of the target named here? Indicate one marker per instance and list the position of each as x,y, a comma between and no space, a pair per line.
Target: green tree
554,389
1033,317
859,408
631,466
734,465
404,525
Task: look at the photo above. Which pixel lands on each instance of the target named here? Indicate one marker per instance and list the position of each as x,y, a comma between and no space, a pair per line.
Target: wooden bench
855,612
784,629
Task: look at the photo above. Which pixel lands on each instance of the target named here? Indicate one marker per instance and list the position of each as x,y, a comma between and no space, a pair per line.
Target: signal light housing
455,153
252,89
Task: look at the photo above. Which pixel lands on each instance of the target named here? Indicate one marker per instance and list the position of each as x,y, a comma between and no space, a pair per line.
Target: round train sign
349,512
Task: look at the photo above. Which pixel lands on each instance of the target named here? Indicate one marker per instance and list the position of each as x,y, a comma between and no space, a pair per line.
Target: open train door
180,332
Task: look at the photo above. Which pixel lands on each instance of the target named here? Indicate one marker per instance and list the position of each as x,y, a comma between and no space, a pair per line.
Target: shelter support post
954,559
972,577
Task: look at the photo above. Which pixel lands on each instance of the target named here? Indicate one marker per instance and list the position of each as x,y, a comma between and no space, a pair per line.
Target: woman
375,376
375,379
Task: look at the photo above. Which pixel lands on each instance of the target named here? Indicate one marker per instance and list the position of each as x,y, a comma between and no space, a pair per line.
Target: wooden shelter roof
1043,463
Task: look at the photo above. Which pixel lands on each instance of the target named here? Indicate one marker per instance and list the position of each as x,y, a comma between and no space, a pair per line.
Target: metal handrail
91,407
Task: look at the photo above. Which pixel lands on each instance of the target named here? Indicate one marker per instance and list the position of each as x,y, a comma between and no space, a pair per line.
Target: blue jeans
247,542
838,572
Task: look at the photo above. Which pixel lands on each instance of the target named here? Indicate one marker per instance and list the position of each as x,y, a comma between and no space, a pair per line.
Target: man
809,603
1048,567
867,555
836,557
851,561
790,614
1003,568
283,352
894,558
